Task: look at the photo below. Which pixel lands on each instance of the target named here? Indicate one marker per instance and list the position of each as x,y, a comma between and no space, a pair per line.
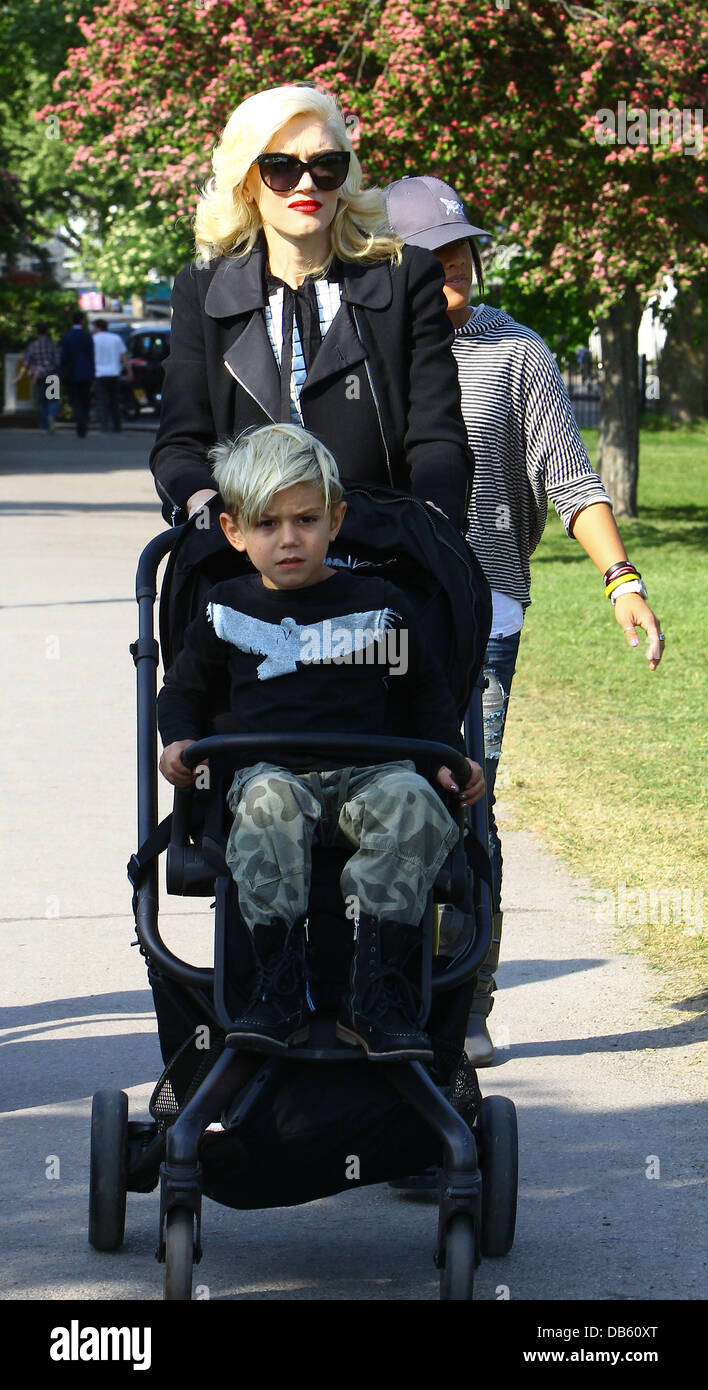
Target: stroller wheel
457,1277
179,1254
499,1164
109,1162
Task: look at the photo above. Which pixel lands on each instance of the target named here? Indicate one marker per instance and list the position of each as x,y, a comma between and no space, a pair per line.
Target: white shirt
108,350
507,615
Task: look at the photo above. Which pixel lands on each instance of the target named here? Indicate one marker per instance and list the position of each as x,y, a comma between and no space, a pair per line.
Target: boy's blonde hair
250,470
227,225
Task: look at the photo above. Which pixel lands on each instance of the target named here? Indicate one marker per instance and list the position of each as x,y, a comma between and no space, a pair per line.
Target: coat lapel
251,360
365,285
340,349
237,289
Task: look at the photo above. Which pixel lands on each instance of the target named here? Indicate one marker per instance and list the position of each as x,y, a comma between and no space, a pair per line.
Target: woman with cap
299,310
527,450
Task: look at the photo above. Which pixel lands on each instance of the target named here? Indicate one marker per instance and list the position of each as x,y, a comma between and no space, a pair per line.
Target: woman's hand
473,788
631,612
198,499
172,767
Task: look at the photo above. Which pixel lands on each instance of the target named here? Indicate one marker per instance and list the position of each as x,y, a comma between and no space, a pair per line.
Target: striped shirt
328,302
526,444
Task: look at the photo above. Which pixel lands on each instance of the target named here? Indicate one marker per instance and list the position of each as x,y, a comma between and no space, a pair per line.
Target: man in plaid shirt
41,364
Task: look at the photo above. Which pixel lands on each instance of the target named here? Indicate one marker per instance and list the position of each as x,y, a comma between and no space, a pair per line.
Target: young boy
307,647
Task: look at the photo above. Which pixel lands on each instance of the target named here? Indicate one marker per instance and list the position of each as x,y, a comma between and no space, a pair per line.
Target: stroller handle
377,747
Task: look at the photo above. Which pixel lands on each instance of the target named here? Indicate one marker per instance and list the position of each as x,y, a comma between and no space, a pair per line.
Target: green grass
605,759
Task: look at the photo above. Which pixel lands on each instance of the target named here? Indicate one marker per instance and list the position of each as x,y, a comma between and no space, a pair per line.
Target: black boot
480,1048
381,1011
277,1013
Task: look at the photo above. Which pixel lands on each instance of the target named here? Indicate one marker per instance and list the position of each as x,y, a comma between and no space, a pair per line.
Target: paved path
607,1083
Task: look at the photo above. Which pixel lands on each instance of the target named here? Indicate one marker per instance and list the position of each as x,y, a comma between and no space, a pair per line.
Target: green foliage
22,306
136,247
559,313
15,224
34,39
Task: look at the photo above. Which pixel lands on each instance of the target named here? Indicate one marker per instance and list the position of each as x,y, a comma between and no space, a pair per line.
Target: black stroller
290,1127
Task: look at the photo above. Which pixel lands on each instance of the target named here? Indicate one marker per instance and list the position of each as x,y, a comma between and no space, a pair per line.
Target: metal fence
584,385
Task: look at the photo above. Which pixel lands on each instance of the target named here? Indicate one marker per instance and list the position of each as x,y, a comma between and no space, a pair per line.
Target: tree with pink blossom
571,130
574,131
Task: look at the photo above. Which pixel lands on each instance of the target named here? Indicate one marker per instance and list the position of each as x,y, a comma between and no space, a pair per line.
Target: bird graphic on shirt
287,643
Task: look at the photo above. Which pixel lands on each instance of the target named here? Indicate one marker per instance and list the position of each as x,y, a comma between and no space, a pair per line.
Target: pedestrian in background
77,371
110,357
41,364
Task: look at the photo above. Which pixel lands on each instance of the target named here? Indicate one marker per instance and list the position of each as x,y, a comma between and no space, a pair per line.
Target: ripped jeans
499,667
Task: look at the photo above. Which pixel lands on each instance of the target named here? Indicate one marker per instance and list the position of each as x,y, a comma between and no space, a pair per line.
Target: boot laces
279,979
387,988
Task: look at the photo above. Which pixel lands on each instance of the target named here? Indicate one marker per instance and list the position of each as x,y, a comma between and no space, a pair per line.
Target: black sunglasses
282,172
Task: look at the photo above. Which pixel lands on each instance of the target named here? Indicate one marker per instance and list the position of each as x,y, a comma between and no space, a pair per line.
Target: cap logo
452,206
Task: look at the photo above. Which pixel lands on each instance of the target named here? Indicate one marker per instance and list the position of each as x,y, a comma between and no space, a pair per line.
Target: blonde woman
298,310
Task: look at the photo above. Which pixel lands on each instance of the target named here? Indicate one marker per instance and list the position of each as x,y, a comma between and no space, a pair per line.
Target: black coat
382,394
77,356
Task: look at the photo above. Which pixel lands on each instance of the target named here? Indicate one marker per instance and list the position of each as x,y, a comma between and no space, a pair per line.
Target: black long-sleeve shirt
339,656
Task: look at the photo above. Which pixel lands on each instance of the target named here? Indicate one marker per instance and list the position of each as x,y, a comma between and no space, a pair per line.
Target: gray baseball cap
427,212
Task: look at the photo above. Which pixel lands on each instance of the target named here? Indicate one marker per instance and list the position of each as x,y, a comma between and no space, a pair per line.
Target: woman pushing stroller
300,310
305,646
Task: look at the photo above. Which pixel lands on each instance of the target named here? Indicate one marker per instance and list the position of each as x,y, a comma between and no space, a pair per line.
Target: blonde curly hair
227,225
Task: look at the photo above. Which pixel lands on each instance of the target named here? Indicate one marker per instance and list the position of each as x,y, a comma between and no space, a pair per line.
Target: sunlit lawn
604,758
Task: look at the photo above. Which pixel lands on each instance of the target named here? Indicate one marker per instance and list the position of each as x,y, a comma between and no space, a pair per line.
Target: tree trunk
683,370
618,444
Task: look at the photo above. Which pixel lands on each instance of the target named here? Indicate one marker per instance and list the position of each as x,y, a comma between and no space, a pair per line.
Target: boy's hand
469,793
172,767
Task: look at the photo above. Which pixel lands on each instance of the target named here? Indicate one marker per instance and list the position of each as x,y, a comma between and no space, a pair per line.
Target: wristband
621,579
633,586
615,569
618,571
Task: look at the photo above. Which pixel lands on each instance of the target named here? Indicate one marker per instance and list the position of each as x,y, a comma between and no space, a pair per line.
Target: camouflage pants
393,820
